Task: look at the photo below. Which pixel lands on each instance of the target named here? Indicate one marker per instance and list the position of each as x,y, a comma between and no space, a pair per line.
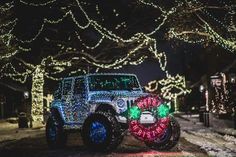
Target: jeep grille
130,103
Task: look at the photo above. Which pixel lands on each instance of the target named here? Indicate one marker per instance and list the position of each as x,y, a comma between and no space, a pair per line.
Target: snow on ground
188,154
191,115
9,132
4,125
230,138
195,133
213,143
214,146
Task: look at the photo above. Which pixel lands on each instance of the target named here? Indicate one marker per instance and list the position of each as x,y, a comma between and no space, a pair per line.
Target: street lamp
201,106
26,94
232,79
201,88
204,114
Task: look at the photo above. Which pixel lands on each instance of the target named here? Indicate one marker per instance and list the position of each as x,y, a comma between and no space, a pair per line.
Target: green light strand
163,111
134,113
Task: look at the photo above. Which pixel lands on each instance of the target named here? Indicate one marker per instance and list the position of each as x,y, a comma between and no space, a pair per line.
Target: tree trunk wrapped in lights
37,94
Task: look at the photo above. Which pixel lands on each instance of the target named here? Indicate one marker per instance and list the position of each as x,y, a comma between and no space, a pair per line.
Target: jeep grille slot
132,102
128,104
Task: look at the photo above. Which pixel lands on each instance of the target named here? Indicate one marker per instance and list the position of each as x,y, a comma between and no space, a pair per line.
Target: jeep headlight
120,103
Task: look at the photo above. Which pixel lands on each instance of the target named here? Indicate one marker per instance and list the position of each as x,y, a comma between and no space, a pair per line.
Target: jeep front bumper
145,118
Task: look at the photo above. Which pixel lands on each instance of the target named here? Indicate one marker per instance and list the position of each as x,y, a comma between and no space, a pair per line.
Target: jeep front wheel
56,137
101,132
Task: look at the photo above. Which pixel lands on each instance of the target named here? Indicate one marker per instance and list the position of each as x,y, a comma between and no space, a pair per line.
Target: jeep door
80,108
66,98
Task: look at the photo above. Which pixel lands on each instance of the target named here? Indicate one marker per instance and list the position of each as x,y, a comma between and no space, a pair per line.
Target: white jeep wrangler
100,106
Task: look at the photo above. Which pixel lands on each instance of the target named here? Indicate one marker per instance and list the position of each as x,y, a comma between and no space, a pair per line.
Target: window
67,86
79,87
57,93
113,82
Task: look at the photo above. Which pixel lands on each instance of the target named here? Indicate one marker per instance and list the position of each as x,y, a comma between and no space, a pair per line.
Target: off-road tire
172,140
112,132
55,134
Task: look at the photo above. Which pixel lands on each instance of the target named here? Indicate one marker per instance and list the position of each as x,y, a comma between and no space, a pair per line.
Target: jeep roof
94,74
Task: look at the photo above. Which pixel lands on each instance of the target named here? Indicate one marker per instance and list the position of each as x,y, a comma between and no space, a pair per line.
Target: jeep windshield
113,82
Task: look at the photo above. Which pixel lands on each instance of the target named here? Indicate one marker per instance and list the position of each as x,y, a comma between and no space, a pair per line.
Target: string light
140,41
14,75
168,88
103,31
226,44
24,49
38,4
8,55
60,66
6,7
183,36
207,32
37,94
88,47
219,102
153,5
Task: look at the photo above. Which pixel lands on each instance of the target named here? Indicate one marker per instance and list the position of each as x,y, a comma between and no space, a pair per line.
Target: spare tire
172,137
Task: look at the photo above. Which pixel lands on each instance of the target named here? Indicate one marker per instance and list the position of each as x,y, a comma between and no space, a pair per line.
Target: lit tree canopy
90,32
54,38
203,22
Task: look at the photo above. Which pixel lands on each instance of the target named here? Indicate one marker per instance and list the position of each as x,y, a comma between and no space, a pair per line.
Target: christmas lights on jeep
104,107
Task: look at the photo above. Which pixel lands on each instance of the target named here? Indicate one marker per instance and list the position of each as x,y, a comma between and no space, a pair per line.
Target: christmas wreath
159,110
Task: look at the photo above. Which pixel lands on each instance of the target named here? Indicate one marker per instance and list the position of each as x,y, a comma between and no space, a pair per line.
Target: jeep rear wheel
56,137
101,132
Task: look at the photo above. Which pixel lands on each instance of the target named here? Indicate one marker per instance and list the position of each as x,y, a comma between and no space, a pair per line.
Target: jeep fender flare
106,107
54,111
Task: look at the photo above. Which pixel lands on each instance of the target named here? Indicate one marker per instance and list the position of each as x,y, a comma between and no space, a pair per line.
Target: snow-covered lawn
9,132
213,143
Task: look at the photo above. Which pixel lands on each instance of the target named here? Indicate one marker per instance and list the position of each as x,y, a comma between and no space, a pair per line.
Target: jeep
98,106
